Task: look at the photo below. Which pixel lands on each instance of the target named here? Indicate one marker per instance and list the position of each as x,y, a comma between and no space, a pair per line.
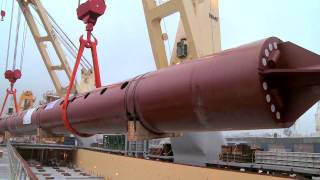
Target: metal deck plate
60,174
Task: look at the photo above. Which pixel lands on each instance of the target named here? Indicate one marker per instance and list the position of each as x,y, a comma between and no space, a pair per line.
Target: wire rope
25,32
16,41
9,39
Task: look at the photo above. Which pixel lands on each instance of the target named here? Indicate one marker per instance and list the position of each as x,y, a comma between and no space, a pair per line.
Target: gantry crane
26,100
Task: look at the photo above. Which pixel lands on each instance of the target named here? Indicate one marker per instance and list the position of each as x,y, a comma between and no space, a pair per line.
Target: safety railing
19,167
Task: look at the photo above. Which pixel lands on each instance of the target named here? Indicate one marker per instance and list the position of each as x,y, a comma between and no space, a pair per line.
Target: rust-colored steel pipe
266,84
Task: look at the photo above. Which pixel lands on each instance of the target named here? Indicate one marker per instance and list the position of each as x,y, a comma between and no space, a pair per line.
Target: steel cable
25,31
9,40
54,29
67,37
17,40
71,50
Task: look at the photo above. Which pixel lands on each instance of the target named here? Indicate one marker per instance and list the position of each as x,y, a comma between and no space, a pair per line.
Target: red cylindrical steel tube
232,90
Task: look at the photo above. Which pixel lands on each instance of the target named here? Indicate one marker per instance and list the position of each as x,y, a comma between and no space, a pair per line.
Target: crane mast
198,32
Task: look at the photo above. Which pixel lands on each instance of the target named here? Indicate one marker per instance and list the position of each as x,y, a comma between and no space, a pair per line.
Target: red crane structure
14,74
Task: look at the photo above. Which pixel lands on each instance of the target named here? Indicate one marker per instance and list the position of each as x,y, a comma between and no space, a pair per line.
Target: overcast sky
124,48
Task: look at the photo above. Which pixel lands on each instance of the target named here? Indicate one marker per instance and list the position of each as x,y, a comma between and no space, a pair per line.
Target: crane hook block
89,11
13,75
3,14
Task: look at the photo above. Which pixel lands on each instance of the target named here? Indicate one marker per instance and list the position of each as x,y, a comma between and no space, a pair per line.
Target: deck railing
19,167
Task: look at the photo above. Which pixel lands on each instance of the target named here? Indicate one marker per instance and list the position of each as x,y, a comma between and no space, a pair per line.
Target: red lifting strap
83,44
88,12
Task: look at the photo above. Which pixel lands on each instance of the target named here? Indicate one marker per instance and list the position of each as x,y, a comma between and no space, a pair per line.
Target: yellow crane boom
50,38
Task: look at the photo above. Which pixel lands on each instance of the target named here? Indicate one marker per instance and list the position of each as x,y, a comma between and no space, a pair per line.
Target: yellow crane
198,32
26,100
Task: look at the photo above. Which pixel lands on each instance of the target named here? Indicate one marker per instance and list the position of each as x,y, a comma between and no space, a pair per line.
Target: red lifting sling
89,13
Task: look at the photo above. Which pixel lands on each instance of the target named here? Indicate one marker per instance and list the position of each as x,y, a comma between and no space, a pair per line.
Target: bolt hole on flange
271,100
268,55
267,61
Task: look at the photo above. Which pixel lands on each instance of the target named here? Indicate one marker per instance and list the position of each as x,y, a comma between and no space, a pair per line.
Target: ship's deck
4,165
57,172
62,173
